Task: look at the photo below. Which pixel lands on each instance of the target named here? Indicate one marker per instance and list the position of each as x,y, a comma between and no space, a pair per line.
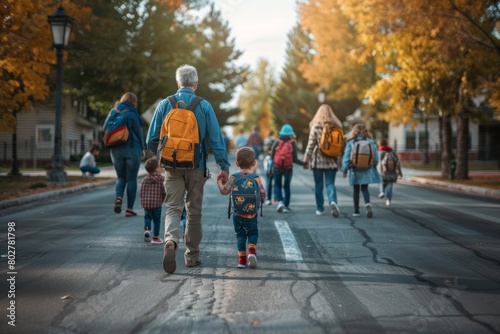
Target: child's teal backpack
245,196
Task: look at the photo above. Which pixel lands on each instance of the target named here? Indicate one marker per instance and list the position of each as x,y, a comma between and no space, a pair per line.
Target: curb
455,187
50,194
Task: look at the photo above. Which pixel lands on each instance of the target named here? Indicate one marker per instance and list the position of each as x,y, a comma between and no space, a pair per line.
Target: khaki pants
184,187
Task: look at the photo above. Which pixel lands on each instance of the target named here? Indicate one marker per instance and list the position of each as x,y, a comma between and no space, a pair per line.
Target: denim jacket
208,126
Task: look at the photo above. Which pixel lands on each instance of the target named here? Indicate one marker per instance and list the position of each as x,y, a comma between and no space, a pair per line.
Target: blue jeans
90,169
246,229
126,162
279,174
329,180
155,216
366,195
387,188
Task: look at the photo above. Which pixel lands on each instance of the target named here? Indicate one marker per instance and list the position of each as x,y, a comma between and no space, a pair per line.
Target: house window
411,143
45,136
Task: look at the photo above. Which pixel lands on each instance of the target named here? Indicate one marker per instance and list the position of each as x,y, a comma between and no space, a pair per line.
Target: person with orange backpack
181,126
324,153
284,154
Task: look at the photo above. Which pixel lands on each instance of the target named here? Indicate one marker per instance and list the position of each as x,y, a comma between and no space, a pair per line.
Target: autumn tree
256,95
26,57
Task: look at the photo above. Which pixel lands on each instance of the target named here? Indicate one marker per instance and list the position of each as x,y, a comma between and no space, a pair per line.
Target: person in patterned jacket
152,196
324,167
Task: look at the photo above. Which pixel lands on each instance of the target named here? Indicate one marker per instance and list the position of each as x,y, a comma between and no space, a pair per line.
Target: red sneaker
242,260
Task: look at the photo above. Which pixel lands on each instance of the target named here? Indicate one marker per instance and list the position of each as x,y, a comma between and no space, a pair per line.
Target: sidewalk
106,173
411,177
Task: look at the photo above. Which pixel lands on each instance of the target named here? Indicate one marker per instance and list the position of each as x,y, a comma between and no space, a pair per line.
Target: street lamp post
60,24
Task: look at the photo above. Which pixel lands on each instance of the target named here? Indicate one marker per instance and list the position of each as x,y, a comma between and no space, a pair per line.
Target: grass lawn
14,187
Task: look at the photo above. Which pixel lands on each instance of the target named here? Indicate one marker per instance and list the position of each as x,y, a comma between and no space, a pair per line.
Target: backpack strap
194,103
172,100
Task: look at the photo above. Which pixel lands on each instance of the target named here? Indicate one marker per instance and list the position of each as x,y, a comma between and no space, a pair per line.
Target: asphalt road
429,263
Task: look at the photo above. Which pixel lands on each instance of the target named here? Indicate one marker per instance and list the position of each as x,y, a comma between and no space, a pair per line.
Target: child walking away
390,169
247,195
152,196
360,159
284,154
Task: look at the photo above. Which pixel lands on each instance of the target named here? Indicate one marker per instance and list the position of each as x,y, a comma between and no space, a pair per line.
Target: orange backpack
180,135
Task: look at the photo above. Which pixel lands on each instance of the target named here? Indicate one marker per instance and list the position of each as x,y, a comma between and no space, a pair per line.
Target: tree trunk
462,137
14,168
446,153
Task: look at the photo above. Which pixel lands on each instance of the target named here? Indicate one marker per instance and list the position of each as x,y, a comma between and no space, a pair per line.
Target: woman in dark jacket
127,157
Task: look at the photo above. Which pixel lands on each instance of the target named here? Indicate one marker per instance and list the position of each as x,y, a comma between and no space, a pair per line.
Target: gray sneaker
287,209
369,212
280,207
335,209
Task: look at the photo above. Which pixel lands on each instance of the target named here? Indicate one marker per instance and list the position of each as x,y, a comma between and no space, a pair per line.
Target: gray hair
186,76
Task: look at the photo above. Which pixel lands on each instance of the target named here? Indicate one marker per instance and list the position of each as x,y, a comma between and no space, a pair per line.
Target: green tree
215,61
295,100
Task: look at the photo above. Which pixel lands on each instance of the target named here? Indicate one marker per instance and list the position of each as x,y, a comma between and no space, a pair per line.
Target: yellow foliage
26,53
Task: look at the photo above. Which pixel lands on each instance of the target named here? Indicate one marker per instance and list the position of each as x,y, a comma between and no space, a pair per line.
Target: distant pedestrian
284,153
360,178
88,163
256,142
152,195
269,140
245,224
240,140
184,186
390,170
269,170
227,142
324,167
127,157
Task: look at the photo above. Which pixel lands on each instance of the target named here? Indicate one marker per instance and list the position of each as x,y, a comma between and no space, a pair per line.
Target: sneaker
319,213
287,209
280,207
169,252
156,240
355,214
381,195
388,202
242,261
335,209
267,202
147,236
369,212
252,261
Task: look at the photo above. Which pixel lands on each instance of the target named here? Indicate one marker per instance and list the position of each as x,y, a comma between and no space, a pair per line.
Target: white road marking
290,246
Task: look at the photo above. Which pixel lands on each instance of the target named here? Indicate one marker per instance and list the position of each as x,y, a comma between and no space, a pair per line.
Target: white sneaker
147,236
369,212
319,213
267,202
381,195
287,209
388,202
280,207
355,214
335,209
